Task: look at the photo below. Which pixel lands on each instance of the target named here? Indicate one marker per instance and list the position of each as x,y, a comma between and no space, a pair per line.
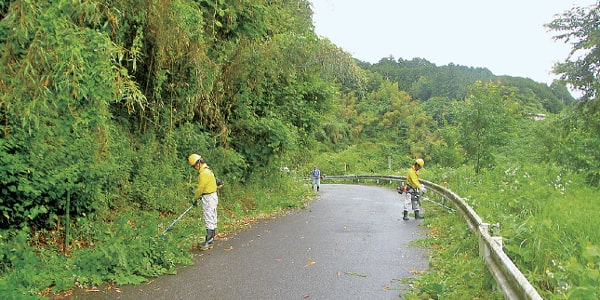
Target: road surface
350,243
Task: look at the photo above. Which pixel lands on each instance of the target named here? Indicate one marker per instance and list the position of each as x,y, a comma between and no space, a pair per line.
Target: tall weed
455,269
127,250
545,217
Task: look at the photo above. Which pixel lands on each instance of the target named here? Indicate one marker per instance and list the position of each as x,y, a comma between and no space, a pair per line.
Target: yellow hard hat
420,161
193,159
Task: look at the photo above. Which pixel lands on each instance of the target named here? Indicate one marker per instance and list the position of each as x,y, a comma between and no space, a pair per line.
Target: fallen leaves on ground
310,263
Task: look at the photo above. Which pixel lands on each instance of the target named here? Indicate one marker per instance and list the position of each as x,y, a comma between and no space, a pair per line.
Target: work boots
208,240
417,216
405,218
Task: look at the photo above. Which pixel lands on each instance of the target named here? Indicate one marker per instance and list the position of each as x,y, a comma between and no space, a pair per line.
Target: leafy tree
579,27
422,88
484,120
581,128
439,108
56,89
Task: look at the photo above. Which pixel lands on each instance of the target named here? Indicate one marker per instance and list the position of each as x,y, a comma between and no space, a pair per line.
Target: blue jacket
316,173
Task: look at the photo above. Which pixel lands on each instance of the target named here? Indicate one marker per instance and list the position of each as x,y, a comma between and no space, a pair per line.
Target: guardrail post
483,249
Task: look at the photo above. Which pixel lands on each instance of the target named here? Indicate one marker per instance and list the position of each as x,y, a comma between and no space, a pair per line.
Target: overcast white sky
507,37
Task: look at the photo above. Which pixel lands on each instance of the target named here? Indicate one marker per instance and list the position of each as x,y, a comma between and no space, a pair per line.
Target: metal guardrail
509,278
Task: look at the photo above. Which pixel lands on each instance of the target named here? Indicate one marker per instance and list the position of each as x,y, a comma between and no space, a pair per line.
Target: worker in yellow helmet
207,193
414,187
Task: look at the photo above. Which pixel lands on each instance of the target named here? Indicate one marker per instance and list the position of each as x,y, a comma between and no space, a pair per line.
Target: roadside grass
126,246
548,219
455,269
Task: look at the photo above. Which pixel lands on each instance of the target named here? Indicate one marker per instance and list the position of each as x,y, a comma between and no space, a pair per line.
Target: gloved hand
423,190
195,202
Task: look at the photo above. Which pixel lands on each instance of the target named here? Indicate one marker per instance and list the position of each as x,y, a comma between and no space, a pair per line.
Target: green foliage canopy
485,119
579,27
579,134
93,93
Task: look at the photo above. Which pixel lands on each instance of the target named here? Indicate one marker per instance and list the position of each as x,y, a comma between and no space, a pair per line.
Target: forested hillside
102,101
424,80
106,99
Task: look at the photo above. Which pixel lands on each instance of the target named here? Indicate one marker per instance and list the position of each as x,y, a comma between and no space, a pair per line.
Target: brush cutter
178,218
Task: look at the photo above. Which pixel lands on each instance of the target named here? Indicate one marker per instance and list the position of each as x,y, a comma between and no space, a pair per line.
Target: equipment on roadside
402,189
177,220
407,193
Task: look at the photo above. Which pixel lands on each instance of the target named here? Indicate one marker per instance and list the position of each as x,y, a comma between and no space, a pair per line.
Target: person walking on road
206,192
316,178
414,187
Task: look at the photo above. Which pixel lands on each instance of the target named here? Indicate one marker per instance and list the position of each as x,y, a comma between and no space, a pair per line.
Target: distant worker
207,193
414,187
316,178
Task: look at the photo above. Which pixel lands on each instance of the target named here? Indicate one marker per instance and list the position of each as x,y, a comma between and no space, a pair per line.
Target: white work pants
209,210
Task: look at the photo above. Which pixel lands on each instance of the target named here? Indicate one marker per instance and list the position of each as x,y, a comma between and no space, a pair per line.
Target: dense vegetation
102,101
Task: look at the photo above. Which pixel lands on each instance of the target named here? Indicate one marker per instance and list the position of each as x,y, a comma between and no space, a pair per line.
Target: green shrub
128,250
129,253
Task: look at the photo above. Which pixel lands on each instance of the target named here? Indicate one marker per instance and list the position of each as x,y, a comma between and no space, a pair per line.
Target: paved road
351,243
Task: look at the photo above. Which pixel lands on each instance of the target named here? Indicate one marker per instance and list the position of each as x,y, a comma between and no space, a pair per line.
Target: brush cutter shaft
178,218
